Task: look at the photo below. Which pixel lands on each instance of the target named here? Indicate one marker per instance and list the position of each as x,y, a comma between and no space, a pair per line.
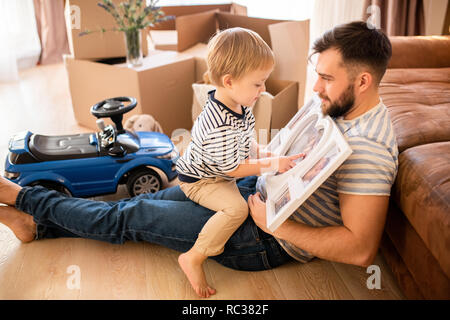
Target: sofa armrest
420,52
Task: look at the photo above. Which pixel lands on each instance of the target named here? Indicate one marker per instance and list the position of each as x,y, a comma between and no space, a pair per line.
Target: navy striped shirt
370,170
221,140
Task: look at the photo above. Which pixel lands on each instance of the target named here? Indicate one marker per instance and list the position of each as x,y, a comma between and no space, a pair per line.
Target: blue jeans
167,218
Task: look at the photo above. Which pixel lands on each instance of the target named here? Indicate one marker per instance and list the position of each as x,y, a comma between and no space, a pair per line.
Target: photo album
325,148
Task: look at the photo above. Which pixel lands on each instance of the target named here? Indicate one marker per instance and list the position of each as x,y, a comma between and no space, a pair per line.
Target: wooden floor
40,102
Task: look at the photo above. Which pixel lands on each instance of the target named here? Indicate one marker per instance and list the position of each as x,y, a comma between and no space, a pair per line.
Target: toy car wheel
143,181
52,186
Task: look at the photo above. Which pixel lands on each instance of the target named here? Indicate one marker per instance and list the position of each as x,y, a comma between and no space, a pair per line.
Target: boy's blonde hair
236,51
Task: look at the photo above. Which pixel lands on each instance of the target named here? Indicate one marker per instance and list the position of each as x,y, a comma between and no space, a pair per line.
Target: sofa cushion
422,192
418,101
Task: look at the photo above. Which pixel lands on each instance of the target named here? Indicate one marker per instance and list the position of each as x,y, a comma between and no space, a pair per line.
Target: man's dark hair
359,44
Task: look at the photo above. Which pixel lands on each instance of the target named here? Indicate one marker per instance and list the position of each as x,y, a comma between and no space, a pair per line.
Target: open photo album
325,148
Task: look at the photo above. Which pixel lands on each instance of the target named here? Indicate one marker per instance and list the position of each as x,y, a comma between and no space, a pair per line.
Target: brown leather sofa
416,241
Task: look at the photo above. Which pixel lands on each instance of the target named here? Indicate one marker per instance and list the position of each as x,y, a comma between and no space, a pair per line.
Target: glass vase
133,42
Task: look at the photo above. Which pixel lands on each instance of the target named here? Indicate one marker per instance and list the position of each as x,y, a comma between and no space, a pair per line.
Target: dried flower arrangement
131,17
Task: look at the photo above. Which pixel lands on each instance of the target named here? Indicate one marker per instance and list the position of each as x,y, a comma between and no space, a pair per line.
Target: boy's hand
261,153
267,154
287,163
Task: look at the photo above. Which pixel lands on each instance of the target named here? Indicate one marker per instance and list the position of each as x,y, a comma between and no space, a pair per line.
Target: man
351,206
342,221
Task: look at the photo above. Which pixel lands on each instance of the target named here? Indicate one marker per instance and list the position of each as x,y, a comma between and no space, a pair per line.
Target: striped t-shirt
370,170
221,140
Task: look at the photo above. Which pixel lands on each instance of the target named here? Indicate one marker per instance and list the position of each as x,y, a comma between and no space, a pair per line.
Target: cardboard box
163,39
272,110
289,41
199,53
179,11
84,15
164,35
162,87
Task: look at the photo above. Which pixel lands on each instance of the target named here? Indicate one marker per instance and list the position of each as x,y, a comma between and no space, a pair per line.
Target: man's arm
355,242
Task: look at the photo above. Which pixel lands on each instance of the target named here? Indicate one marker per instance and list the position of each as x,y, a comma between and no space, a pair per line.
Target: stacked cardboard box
163,84
288,39
162,87
164,35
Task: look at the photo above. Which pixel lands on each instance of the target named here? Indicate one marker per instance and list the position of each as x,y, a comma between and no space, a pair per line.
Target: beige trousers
222,196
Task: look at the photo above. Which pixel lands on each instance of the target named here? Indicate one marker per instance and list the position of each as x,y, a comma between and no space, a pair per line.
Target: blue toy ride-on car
90,164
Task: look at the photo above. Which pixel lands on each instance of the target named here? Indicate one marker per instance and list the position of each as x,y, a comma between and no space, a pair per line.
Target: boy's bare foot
191,264
8,191
20,223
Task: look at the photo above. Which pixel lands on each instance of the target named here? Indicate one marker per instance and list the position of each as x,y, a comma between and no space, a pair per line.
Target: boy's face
246,90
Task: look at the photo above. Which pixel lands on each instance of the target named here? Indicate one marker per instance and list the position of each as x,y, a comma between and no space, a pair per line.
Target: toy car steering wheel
114,108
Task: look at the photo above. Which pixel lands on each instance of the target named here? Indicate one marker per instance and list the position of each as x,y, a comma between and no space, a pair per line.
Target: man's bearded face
341,106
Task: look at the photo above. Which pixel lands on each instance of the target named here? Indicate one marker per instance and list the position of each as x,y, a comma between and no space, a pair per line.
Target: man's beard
342,105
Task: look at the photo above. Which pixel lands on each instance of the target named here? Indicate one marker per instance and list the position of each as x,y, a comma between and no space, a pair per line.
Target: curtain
52,30
19,40
397,17
446,28
329,13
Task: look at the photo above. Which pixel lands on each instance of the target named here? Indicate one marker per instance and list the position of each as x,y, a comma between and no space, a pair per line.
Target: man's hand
258,211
